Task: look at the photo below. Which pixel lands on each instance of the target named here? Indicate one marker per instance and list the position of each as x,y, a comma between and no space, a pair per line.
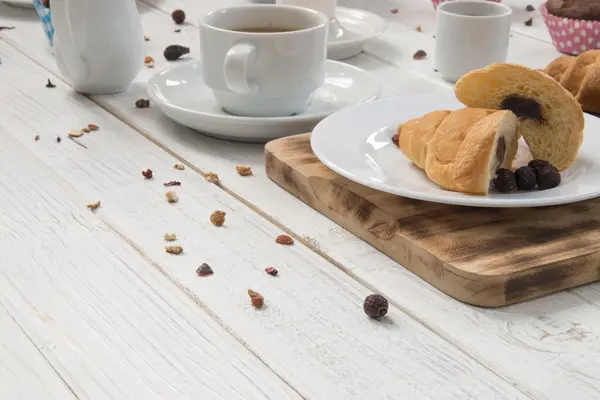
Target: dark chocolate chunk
523,107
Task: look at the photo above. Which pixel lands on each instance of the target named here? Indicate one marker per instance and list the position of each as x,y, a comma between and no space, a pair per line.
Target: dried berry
396,140
175,52
36,137
146,38
93,206
394,11
244,170
375,306
73,134
530,8
271,271
548,177
505,181
218,218
529,22
147,174
212,177
50,85
149,62
2,28
284,239
172,183
177,249
172,197
45,3
170,237
142,103
204,270
537,164
177,30
526,178
418,28
58,139
93,127
180,167
419,55
257,299
178,16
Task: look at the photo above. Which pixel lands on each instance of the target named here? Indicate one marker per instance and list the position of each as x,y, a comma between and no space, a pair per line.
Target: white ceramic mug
470,35
264,74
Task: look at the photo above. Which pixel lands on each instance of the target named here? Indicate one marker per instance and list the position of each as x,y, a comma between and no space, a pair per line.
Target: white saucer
181,94
356,143
350,30
19,3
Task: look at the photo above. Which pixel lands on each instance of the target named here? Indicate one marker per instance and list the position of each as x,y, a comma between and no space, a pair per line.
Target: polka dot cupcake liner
572,36
436,3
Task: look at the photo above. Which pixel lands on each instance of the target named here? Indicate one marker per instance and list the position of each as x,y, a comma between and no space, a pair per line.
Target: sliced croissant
461,150
580,75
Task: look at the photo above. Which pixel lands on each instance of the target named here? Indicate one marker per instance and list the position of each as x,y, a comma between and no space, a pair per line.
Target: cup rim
507,10
324,21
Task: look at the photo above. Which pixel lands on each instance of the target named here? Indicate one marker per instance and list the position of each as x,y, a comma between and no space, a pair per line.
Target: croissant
580,75
461,150
550,118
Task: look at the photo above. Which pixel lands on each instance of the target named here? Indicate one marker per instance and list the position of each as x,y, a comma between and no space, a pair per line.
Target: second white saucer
351,30
182,95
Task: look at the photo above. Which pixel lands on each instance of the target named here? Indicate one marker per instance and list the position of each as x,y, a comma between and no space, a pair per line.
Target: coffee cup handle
235,68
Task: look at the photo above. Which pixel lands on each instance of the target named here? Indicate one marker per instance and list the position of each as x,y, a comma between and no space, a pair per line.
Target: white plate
19,3
356,143
182,95
351,30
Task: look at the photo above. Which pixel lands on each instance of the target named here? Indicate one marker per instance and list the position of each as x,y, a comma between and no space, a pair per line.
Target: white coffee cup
327,7
257,69
470,35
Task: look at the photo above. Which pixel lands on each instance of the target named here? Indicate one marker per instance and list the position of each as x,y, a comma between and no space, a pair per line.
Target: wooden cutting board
484,257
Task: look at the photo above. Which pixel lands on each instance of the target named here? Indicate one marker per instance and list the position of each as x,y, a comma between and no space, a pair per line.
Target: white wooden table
91,306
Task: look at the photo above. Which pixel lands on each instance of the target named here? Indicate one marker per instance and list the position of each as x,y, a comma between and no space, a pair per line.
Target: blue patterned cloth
46,18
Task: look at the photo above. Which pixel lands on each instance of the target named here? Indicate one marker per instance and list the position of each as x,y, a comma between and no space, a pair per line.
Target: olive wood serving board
484,257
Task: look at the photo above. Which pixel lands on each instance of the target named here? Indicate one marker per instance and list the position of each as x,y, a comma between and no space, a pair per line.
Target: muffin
574,25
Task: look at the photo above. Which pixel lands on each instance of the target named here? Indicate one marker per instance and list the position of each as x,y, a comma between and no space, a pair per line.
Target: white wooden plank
24,373
312,333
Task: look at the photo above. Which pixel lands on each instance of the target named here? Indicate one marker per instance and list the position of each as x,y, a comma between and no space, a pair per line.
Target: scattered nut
177,249
284,239
271,271
396,140
244,170
170,237
204,270
93,206
78,133
419,55
175,52
86,130
142,103
58,139
178,16
180,167
36,137
172,183
50,85
529,22
212,177
257,299
394,11
93,127
147,38
172,197
529,8
147,173
375,306
218,218
418,28
149,62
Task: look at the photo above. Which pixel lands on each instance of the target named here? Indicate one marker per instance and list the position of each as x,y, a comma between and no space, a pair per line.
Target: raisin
271,271
396,140
526,178
505,181
375,306
175,52
529,8
142,103
420,55
178,16
204,270
50,85
548,177
537,164
529,22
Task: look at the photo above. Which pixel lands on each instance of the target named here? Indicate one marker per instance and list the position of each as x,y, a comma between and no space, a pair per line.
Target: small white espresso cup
470,34
264,60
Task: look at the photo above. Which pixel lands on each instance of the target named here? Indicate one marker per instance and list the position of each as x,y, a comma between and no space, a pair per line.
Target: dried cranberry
178,16
375,306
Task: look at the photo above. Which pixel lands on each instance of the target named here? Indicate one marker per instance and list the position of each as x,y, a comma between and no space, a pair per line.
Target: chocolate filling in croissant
500,150
523,107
